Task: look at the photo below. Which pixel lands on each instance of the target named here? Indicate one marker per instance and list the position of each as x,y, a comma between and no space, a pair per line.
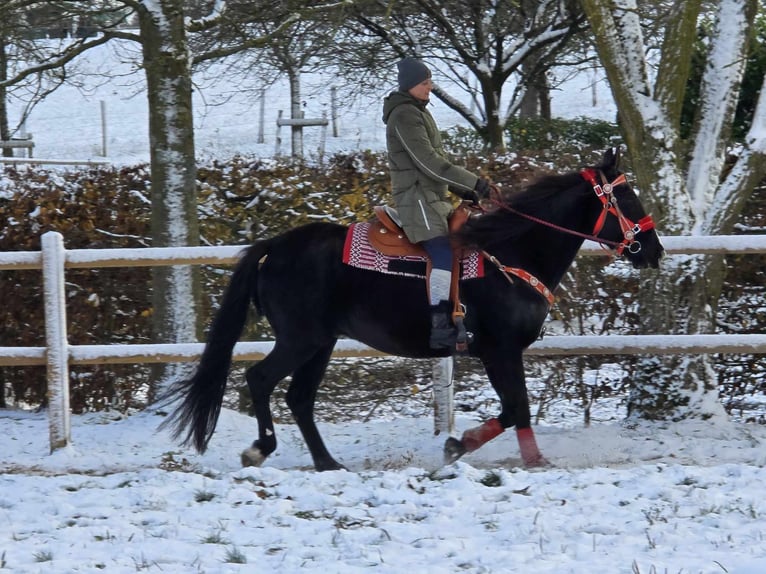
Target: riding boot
443,332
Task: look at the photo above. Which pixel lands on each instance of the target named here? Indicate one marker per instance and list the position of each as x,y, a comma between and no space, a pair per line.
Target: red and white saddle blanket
358,252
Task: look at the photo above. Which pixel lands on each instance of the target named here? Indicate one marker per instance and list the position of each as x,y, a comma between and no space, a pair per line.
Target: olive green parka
421,175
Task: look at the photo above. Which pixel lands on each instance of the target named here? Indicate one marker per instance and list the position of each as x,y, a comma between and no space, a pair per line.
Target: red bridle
604,191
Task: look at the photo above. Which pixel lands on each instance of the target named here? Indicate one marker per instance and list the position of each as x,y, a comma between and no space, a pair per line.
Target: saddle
387,236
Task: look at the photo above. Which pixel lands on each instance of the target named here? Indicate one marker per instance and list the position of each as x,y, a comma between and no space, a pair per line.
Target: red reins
604,191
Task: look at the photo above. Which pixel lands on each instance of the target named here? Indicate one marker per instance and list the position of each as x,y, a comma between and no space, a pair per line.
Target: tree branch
248,44
718,100
748,171
67,55
675,62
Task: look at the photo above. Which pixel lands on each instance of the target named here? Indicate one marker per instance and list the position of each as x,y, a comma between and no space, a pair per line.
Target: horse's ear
611,158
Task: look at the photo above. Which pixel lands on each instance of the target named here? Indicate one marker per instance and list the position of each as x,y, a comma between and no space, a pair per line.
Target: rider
421,175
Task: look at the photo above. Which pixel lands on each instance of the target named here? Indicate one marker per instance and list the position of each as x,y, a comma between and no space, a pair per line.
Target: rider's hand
482,189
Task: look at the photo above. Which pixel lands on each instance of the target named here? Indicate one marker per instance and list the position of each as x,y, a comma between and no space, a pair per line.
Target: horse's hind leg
262,378
301,396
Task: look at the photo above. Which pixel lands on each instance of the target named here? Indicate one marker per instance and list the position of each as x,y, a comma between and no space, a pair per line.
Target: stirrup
464,338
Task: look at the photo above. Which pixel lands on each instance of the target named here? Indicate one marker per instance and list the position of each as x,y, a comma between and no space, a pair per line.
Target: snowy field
683,498
678,498
68,124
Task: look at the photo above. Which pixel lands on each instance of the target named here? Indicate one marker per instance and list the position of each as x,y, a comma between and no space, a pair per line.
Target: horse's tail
202,394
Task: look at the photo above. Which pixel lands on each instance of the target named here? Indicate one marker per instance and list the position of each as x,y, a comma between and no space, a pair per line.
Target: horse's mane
538,199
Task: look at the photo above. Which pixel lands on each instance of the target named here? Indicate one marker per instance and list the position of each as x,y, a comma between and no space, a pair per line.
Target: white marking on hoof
252,457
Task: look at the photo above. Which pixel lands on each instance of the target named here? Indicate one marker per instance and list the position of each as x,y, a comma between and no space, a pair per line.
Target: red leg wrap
477,436
530,454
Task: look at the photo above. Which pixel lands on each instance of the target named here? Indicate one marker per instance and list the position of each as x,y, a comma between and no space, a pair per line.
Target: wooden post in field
322,136
334,110
57,353
103,129
261,115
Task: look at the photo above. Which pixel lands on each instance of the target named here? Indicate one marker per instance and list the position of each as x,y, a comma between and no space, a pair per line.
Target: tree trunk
296,112
682,297
175,289
536,101
5,132
544,94
495,128
530,104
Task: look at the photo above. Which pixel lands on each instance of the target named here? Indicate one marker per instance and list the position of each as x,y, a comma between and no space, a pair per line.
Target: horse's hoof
331,465
453,450
537,462
252,457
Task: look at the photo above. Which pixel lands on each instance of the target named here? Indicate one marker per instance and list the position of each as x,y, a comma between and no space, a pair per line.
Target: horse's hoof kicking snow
252,457
453,450
539,462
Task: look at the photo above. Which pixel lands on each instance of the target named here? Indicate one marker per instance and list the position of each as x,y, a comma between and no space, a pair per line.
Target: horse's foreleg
475,437
507,378
472,439
301,397
530,454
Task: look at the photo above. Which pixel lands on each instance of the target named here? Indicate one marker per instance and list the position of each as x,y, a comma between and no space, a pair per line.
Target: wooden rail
40,161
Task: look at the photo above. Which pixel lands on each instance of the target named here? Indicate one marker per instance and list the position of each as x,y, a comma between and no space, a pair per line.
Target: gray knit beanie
411,73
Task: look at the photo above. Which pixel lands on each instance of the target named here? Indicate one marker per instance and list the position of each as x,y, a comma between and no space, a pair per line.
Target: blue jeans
440,252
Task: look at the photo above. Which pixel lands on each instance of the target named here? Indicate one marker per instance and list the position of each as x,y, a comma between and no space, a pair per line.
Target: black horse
311,298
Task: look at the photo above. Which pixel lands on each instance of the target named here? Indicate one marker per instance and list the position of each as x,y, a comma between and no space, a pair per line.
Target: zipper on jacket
423,211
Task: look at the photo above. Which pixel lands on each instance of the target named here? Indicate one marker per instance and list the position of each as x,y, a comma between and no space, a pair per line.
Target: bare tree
302,42
479,45
685,181
36,40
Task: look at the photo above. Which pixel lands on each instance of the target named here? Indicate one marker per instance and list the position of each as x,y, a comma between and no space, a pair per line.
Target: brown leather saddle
387,236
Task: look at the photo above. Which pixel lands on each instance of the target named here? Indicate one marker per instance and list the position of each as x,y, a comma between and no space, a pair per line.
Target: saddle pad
357,252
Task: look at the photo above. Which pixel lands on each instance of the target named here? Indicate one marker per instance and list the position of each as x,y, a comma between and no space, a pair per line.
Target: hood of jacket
396,99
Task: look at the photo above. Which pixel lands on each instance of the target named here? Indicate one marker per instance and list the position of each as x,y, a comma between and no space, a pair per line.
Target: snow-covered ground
669,498
659,498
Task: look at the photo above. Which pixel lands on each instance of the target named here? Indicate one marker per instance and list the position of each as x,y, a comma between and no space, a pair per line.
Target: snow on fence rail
39,161
58,355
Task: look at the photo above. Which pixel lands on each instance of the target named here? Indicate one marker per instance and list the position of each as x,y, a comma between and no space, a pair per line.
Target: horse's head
623,222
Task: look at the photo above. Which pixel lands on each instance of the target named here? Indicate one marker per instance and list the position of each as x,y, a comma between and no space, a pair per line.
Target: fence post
279,133
334,110
57,353
104,138
444,413
261,115
322,137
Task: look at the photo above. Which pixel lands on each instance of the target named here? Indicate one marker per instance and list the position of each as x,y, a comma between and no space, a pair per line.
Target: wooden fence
19,143
58,355
42,161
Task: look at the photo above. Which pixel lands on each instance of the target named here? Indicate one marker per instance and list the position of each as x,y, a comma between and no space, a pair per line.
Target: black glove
482,189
